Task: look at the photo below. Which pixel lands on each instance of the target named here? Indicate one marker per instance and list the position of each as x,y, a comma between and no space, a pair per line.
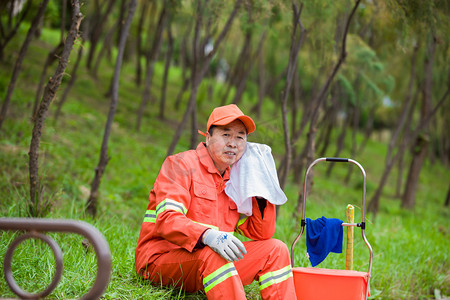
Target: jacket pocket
204,191
203,206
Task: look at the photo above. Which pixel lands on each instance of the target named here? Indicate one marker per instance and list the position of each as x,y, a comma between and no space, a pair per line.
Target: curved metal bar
303,208
8,258
362,224
94,236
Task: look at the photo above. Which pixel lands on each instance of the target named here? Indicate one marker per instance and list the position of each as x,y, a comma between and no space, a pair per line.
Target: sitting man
187,237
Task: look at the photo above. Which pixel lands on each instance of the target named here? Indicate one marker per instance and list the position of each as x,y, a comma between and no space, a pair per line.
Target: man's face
227,144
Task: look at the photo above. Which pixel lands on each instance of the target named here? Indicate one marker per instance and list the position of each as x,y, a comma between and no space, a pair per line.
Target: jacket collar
207,161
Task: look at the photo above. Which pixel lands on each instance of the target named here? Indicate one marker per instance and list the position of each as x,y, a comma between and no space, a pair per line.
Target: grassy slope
410,248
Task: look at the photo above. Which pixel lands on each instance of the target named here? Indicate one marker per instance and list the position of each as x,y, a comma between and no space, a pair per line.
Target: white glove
225,244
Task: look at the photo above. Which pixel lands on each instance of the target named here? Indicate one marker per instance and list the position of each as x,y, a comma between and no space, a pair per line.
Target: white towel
254,175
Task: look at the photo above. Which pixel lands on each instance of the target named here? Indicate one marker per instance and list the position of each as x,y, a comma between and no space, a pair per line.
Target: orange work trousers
266,261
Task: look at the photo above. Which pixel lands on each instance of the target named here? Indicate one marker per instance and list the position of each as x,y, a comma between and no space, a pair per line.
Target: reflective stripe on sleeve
169,204
241,221
275,277
150,216
218,276
207,225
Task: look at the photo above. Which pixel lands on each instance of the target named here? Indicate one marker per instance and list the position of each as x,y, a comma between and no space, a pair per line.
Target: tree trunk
92,202
20,58
123,7
6,38
237,76
35,206
421,145
329,121
233,77
403,146
368,128
390,160
63,20
194,130
354,145
200,67
139,42
73,78
309,149
246,72
162,103
296,96
97,30
185,64
107,43
261,85
296,44
151,59
374,202
447,199
51,58
340,144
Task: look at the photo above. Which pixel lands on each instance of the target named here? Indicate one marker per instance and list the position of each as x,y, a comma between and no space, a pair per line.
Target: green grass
411,248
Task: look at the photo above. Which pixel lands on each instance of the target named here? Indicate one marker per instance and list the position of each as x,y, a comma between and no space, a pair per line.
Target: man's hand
225,244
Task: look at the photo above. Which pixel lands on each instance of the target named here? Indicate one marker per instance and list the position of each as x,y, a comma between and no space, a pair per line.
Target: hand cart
318,283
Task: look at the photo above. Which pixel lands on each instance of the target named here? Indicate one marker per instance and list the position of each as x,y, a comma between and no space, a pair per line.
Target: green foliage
347,88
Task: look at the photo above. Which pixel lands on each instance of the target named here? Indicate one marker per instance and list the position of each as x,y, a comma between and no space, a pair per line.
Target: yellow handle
350,212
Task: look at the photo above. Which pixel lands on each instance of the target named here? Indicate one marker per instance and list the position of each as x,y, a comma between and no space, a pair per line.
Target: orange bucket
329,284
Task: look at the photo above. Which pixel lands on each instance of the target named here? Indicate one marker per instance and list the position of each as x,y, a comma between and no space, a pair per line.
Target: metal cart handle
362,225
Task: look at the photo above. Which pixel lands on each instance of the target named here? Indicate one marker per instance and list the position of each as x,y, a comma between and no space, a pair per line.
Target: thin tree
73,74
20,58
340,141
51,58
151,57
185,65
309,149
261,83
107,43
162,103
447,199
374,202
420,146
242,63
6,34
92,202
36,207
97,21
73,78
139,31
298,35
200,66
329,121
247,67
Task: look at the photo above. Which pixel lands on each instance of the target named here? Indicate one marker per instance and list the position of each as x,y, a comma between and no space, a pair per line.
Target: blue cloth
322,237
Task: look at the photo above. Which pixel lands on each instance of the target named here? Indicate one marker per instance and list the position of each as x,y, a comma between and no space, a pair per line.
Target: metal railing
35,229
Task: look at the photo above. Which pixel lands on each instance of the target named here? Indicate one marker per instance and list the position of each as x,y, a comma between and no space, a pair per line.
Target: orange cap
224,115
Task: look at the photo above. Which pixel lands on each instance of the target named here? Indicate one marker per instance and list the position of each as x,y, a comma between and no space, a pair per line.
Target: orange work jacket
187,198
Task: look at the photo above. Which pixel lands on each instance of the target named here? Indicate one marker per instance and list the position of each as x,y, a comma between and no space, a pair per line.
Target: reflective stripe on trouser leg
219,276
188,270
275,277
263,260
